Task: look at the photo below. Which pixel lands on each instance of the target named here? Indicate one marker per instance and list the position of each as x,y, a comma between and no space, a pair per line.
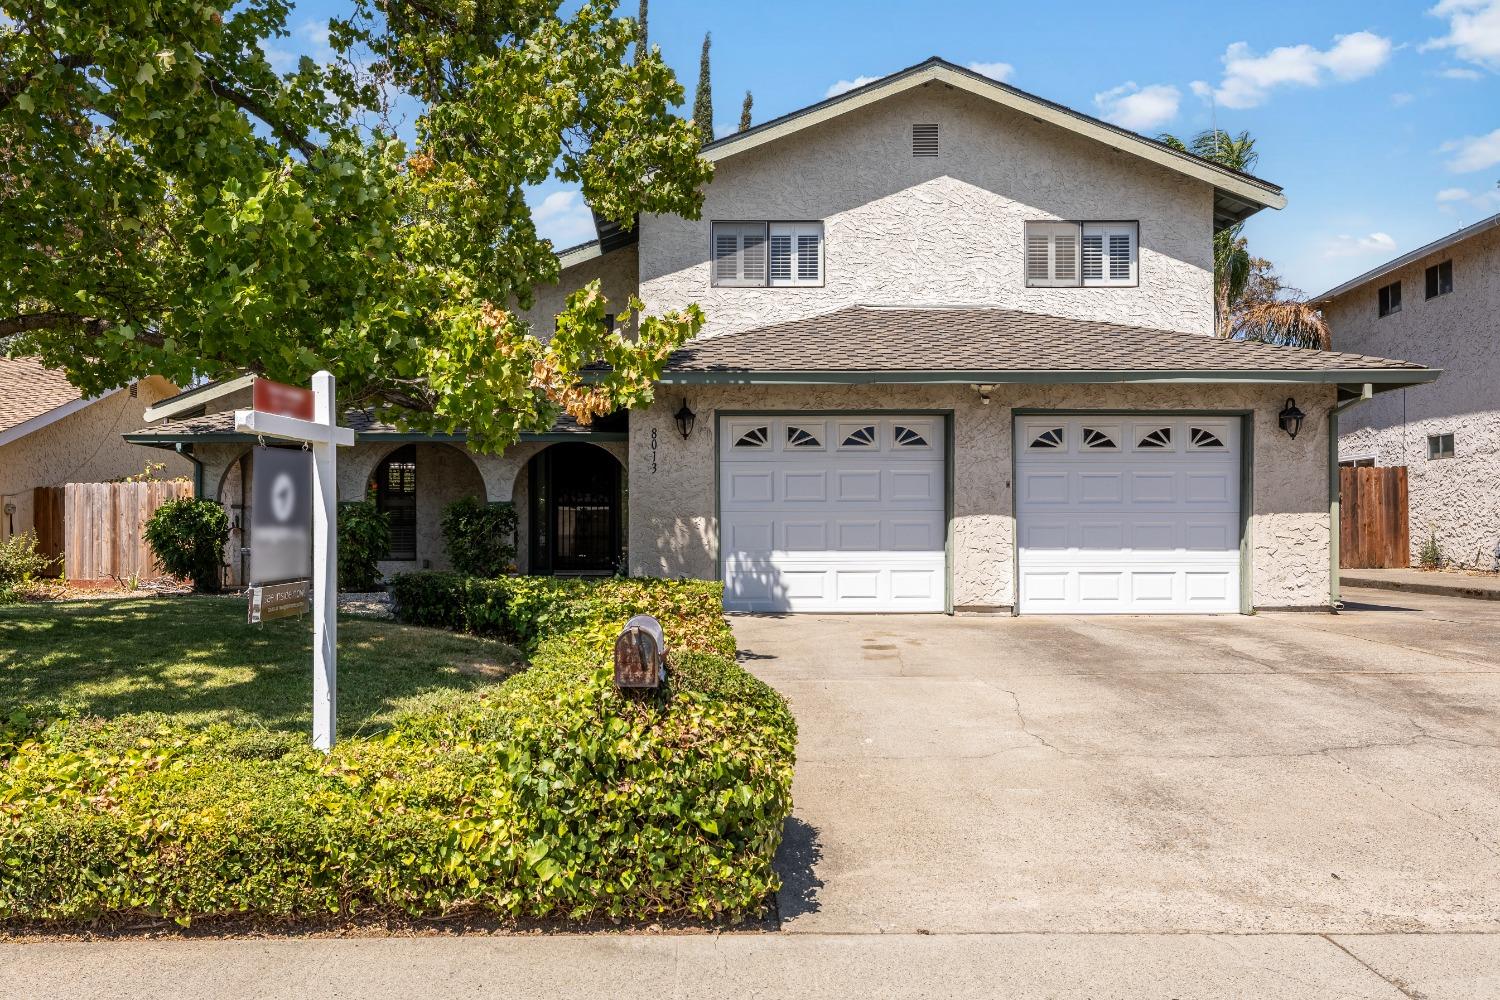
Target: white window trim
769,231
1080,231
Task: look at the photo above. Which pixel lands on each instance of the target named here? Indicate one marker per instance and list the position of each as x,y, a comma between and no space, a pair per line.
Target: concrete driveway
1294,773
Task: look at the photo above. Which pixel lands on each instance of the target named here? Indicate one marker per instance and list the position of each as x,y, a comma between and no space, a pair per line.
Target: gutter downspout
186,451
1335,603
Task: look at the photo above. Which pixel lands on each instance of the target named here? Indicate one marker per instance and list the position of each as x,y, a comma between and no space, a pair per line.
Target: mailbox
640,654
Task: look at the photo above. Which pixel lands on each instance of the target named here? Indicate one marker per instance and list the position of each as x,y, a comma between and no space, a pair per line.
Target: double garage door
847,513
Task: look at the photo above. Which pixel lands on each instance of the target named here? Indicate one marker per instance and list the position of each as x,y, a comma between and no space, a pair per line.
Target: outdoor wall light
685,419
1290,418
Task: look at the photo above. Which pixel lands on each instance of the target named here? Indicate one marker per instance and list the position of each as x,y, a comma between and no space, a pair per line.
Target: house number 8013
653,451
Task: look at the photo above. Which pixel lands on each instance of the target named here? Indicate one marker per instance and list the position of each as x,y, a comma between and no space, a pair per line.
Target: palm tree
1274,312
1231,257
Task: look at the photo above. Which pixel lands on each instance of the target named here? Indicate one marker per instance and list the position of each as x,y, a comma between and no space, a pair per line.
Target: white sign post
324,436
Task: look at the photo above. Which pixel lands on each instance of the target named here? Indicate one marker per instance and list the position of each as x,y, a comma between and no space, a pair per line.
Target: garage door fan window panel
1156,438
1203,438
1081,254
801,437
908,437
755,437
857,436
1101,438
767,254
1051,438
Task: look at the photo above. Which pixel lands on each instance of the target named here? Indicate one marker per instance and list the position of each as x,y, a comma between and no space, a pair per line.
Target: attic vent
924,140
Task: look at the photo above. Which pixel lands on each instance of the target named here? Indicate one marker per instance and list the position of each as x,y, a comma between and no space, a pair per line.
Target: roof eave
167,440
1407,259
1252,194
1383,378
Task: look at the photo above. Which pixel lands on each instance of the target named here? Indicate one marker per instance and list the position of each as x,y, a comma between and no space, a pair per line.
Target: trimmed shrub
480,537
364,539
188,536
552,795
20,563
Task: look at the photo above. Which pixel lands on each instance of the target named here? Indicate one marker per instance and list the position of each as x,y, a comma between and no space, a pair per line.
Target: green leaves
157,172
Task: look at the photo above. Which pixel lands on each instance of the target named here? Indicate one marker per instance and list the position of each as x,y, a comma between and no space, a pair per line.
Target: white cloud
1461,73
1461,202
310,38
844,86
563,218
994,70
1139,108
1250,78
1473,31
1473,152
1401,98
1345,245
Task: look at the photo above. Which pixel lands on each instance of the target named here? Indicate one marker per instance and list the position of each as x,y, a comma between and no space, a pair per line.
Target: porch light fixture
1290,418
685,419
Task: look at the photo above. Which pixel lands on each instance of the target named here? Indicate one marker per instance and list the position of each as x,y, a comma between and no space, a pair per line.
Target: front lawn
193,661
162,768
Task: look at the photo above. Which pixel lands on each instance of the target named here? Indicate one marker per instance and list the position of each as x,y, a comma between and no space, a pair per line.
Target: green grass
195,661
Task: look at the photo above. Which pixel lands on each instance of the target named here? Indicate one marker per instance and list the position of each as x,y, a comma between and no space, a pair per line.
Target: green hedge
549,796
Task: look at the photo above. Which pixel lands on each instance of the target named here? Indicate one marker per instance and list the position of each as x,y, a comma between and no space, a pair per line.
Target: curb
1437,589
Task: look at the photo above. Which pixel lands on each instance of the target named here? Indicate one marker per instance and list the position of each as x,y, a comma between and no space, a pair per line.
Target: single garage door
832,513
1128,515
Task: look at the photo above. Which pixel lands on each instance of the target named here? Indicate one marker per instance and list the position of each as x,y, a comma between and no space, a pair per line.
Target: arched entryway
412,484
575,511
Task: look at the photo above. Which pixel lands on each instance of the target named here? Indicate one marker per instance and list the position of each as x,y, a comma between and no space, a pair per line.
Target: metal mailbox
640,654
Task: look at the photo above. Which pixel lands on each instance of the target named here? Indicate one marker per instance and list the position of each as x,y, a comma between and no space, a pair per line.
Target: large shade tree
170,203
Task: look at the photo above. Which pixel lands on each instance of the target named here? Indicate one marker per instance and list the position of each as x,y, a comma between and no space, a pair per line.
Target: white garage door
832,513
1128,514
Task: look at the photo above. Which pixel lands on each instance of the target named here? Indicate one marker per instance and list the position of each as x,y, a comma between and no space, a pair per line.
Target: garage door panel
854,521
1166,541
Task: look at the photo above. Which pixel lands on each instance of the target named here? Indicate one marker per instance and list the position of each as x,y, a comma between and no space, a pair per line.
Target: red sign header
283,399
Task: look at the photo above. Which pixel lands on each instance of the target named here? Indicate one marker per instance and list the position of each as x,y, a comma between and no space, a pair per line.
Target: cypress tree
703,102
745,111
642,45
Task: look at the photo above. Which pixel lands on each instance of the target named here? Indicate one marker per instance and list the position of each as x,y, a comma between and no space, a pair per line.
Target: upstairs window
1081,254
1390,299
1440,279
767,254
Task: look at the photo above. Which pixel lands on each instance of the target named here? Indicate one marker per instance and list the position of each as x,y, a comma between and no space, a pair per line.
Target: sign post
282,411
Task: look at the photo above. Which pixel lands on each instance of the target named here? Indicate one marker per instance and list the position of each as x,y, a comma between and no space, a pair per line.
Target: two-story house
1440,303
959,356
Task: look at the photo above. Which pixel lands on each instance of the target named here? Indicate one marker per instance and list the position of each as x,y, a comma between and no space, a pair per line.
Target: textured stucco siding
617,274
945,230
674,522
83,447
1458,499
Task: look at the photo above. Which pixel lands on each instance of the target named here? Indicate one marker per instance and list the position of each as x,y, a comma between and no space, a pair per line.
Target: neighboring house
1439,303
959,356
51,435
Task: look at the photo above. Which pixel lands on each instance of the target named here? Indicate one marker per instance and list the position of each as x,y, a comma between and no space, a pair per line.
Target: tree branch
252,107
14,88
11,326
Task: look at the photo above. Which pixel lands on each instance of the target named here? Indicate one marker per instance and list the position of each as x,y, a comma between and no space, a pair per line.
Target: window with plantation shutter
739,250
1074,254
757,254
1052,251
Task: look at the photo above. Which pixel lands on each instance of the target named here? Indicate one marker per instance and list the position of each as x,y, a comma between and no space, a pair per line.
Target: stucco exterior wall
673,504
618,279
1457,499
83,447
945,230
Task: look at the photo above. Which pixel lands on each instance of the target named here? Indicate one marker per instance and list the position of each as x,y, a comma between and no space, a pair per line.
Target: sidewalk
1445,583
666,967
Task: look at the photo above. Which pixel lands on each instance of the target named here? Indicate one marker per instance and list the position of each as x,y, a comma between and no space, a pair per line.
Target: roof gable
1236,195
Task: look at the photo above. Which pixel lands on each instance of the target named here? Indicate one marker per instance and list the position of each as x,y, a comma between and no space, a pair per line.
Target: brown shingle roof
868,339
221,423
28,389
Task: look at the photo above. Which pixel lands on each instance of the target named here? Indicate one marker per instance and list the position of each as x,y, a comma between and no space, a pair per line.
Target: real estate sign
281,496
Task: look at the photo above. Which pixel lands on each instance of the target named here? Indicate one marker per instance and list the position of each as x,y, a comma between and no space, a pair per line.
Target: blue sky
1380,119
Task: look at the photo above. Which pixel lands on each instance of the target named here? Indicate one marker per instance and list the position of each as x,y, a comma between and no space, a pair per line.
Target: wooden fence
100,528
1373,532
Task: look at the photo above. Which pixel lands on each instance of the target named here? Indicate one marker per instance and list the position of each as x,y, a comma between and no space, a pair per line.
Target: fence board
47,507
103,530
1373,529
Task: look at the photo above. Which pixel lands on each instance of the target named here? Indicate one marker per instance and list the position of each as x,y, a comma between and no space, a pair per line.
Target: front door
584,495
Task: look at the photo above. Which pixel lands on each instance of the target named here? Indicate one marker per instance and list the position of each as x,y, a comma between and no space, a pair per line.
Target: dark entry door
585,500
